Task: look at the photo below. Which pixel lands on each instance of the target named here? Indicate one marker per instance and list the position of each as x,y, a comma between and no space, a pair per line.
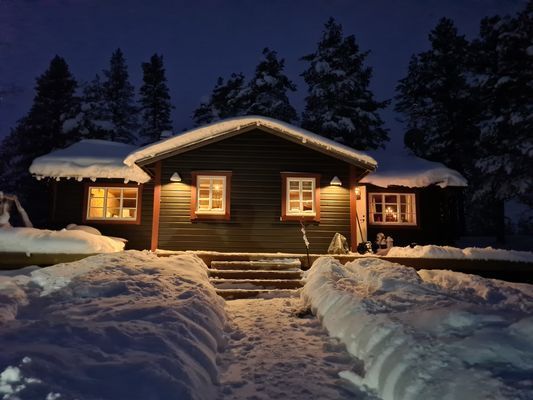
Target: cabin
247,184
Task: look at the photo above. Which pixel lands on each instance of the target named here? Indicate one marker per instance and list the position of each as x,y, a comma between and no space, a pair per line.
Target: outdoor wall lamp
336,181
175,177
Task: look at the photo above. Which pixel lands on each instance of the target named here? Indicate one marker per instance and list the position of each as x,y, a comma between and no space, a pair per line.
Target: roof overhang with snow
235,126
401,168
89,158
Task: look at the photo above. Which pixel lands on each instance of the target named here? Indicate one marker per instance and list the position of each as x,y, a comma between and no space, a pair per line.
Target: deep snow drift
431,335
31,240
116,326
472,253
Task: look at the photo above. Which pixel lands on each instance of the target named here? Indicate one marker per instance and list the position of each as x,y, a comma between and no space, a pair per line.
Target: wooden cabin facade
247,189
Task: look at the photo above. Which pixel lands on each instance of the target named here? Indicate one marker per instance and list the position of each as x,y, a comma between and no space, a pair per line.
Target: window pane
203,204
378,217
293,196
132,203
294,205
307,185
308,206
129,213
97,192
204,183
294,185
204,193
403,199
96,212
130,193
96,202
378,208
390,199
113,213
307,196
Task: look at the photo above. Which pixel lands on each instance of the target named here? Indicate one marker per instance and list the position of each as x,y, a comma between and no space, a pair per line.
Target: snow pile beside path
31,240
437,335
113,326
472,253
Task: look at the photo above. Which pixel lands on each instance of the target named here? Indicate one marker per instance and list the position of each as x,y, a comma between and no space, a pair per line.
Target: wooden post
157,207
353,209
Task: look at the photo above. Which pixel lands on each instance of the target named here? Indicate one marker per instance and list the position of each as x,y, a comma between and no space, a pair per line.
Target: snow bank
224,127
31,240
471,253
404,169
437,335
89,158
113,326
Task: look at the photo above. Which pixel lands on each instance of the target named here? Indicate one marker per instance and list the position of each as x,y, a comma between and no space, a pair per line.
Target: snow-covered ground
126,325
277,350
472,253
427,335
75,241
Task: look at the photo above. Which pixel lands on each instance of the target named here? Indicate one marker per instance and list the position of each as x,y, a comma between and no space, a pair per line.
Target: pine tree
268,89
119,103
438,102
155,100
504,155
340,104
39,132
228,99
93,120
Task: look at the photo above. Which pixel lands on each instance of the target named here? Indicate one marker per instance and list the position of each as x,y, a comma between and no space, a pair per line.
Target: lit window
210,195
112,203
301,197
392,208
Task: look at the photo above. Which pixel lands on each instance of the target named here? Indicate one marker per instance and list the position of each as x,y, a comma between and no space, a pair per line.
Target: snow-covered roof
89,158
220,129
401,168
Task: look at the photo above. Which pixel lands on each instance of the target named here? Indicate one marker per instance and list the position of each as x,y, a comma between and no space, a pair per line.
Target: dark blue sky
202,40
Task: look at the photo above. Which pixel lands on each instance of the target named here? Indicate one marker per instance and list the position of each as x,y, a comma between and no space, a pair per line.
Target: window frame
225,214
286,215
414,203
105,220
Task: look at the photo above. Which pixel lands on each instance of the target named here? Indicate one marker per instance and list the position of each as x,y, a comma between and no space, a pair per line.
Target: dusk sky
201,40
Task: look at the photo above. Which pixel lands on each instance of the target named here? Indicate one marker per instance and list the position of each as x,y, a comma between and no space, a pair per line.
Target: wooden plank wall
69,209
256,160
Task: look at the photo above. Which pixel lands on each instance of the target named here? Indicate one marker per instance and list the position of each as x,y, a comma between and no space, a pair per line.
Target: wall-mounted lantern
175,177
357,193
336,181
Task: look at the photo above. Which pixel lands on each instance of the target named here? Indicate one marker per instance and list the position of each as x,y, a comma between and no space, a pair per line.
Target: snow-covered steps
257,283
254,274
234,294
290,264
241,279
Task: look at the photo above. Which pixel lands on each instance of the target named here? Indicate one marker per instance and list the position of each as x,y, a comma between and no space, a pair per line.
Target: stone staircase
257,278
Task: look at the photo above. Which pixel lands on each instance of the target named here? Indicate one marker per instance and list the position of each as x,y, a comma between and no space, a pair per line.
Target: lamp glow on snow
175,177
336,181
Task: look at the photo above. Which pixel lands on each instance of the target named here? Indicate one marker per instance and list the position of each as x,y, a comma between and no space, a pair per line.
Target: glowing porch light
175,177
336,181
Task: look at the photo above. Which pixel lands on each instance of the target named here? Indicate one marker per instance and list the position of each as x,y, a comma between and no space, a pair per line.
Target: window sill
113,221
301,217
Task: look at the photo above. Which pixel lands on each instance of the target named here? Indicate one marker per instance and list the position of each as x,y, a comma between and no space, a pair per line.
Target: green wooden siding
256,159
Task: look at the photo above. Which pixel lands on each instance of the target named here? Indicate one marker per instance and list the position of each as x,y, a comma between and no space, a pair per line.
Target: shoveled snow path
275,353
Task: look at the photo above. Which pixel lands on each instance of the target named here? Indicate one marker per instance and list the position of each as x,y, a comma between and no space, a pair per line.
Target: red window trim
194,193
284,216
86,187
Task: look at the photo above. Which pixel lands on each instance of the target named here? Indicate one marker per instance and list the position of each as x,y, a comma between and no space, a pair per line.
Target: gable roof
230,127
89,158
402,168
